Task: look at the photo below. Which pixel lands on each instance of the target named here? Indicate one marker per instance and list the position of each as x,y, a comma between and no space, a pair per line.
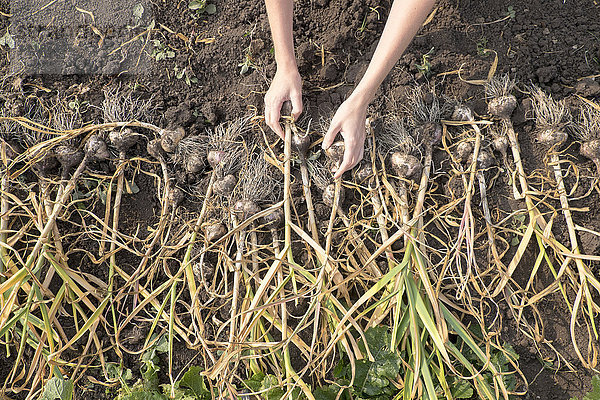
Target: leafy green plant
57,389
511,13
248,57
161,51
7,40
375,379
191,386
268,387
482,49
519,225
186,75
138,12
595,393
425,66
202,7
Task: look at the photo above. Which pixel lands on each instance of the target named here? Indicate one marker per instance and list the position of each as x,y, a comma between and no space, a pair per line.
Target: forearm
280,14
405,19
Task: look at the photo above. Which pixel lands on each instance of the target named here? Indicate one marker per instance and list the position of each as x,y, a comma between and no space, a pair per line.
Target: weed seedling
425,66
482,49
161,51
200,7
186,75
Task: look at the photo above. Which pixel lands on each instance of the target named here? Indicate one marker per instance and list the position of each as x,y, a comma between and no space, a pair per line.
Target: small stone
587,87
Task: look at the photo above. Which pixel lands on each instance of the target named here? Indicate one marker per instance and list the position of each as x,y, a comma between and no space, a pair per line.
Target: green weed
595,393
191,386
482,49
57,389
186,75
161,51
510,13
202,7
425,66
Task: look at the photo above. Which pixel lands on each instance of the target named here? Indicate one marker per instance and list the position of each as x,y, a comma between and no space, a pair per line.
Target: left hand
349,121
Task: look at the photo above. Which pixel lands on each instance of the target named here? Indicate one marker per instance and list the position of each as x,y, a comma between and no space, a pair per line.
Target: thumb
296,100
329,138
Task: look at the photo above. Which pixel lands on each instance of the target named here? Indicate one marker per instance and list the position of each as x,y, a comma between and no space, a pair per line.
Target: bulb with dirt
123,139
170,139
329,195
301,143
406,166
274,219
214,230
68,156
335,154
96,148
245,209
225,185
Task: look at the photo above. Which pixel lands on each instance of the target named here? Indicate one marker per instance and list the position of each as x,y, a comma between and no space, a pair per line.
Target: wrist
361,97
287,66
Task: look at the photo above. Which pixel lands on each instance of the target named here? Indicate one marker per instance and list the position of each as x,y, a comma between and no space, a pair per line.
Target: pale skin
404,20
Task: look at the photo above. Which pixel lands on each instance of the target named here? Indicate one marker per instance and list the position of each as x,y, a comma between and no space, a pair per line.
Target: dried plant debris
552,118
395,137
502,102
191,153
121,106
424,105
587,130
228,146
259,183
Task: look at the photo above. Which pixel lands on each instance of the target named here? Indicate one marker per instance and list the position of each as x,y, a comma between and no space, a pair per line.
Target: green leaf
595,393
272,388
462,389
162,345
195,382
338,371
138,11
255,382
326,393
197,4
57,389
143,395
115,371
378,339
132,187
373,378
269,387
7,40
211,9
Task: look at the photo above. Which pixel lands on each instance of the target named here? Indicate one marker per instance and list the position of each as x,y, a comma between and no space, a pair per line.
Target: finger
272,119
330,135
346,164
352,156
296,105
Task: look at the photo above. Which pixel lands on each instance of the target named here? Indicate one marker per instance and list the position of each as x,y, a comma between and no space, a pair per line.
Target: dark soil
551,43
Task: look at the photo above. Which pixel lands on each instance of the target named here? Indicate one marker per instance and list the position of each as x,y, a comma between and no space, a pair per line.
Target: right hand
286,85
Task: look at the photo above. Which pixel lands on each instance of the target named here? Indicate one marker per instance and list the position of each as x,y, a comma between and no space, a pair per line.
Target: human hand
349,121
286,85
